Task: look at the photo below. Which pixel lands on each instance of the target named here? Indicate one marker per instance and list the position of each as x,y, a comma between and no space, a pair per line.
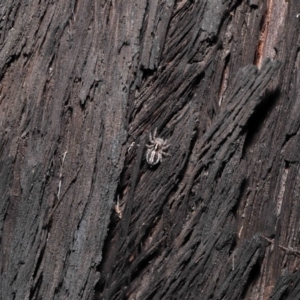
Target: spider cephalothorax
156,150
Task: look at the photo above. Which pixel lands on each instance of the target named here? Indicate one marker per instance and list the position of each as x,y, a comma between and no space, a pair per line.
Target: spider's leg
155,133
149,146
165,153
165,147
151,138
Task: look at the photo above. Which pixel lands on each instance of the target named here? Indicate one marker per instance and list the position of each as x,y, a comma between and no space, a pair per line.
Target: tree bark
83,84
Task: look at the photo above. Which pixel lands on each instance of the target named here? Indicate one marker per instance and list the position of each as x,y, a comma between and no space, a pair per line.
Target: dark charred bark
82,214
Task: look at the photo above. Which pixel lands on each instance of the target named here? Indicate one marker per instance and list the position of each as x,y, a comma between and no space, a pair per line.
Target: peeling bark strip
218,219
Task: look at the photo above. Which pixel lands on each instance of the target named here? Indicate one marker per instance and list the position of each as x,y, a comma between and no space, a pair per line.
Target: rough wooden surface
83,216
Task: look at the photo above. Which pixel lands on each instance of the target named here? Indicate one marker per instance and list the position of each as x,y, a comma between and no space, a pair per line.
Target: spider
157,149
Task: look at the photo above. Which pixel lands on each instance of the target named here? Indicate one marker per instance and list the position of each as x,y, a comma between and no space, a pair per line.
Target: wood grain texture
82,214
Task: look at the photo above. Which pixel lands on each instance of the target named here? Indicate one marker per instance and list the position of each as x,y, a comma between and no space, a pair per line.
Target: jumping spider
157,149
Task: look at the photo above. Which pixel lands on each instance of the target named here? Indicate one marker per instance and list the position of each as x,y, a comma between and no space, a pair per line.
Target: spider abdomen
153,157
